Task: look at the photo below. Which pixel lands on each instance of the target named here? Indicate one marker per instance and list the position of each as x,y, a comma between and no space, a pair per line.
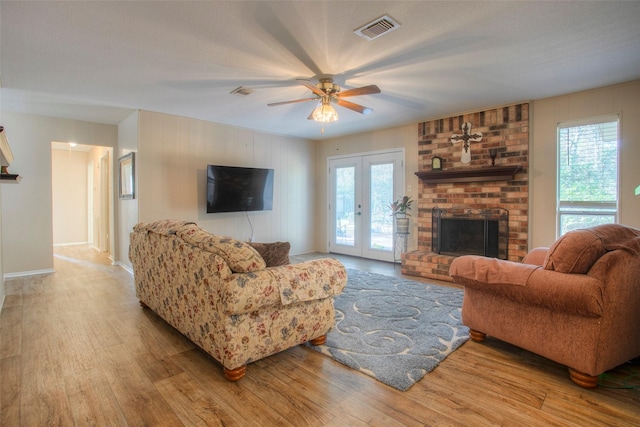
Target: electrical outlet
408,189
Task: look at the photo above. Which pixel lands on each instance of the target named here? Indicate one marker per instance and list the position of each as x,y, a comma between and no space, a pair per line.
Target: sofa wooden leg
235,374
143,305
582,379
477,336
319,341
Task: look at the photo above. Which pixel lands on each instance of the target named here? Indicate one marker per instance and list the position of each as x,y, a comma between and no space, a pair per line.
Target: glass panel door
361,189
344,210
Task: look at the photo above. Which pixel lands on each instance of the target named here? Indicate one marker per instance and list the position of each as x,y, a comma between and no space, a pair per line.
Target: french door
361,188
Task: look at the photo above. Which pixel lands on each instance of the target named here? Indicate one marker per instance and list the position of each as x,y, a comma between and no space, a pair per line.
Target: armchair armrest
530,284
536,256
283,285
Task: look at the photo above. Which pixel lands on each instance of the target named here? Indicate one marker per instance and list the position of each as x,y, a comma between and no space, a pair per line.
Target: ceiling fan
327,92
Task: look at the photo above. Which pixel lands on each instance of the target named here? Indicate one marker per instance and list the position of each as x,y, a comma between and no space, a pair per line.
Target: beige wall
69,196
621,99
173,154
3,292
127,209
399,137
27,224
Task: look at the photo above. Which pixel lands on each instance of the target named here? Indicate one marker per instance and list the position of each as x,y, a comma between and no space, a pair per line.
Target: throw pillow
274,254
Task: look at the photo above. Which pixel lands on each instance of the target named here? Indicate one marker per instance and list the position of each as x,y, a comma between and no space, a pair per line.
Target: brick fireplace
476,185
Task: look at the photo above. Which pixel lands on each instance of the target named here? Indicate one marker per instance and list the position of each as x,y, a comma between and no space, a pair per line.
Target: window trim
608,208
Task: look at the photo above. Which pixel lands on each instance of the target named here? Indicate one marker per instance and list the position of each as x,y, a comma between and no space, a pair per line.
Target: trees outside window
587,173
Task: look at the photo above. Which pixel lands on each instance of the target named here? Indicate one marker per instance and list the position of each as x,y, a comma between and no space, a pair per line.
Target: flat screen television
238,189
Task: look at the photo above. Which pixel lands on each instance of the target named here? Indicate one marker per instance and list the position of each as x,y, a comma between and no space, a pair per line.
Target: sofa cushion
240,257
274,254
574,252
165,227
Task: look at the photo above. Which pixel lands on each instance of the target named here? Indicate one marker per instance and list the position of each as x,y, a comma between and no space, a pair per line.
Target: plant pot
402,225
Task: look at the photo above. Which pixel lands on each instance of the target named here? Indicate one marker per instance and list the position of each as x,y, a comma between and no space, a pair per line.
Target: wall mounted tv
238,189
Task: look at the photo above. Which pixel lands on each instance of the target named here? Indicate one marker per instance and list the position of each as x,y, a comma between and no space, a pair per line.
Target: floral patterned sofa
220,293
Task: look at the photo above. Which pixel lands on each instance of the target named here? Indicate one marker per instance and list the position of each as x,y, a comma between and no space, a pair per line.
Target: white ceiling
98,61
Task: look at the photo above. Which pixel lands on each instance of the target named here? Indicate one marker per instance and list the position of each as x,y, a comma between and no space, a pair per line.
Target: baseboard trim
28,273
58,245
125,267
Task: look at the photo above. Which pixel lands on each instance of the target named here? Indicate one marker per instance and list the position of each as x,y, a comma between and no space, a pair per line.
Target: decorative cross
466,138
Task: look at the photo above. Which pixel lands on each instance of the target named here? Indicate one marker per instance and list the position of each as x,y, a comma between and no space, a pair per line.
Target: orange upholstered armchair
576,303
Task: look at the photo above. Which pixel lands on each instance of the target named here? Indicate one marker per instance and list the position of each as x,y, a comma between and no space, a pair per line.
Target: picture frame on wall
127,176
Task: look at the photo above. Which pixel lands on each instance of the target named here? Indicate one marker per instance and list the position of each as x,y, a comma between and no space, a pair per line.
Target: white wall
27,224
623,99
174,152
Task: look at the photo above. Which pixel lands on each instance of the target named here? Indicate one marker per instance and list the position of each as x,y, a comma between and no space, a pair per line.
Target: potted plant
400,210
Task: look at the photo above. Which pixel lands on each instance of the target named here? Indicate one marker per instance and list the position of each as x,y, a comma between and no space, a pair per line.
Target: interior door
361,189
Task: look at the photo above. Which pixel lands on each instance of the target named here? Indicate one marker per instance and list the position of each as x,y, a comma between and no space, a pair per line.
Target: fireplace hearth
459,231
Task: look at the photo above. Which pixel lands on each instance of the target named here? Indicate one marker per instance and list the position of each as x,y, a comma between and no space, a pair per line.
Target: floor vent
241,90
375,29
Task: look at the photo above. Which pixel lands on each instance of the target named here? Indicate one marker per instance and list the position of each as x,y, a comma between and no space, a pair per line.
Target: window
587,173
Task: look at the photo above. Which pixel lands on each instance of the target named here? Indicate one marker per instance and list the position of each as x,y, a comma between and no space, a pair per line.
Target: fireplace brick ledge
491,173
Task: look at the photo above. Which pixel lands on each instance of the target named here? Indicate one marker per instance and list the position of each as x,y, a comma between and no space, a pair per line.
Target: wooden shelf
490,173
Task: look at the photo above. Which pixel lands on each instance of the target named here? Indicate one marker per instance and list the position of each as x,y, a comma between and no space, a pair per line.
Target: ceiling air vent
375,29
241,90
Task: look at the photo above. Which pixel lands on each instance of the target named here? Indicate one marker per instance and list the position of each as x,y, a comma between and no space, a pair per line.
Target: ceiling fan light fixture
325,113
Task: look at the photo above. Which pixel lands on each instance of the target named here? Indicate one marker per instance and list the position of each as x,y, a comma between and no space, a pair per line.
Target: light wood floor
77,349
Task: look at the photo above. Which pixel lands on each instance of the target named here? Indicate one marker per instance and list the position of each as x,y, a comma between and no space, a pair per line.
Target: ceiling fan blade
365,90
273,104
354,107
312,87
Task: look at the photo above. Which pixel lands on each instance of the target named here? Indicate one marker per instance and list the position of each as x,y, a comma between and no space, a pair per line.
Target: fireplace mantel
491,173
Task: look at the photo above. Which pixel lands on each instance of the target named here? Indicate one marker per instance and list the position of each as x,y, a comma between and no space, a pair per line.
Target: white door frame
105,233
362,162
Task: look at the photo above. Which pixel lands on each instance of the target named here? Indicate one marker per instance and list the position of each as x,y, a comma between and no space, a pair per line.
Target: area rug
393,329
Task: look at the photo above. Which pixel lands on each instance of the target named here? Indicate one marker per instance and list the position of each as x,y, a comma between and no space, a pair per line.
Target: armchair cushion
574,252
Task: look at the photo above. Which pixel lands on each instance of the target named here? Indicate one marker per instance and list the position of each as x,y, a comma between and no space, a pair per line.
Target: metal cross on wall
466,138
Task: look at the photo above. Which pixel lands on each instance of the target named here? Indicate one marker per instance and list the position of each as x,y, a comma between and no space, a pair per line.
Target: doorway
361,187
82,195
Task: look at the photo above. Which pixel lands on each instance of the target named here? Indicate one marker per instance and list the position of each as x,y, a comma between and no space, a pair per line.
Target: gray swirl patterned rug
393,329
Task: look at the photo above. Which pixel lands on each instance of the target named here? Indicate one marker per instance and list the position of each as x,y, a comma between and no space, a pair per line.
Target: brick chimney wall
504,128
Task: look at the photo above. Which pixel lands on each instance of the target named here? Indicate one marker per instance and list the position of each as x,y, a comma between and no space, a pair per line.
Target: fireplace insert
460,231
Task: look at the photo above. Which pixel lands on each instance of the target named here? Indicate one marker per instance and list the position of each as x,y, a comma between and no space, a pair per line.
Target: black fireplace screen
459,231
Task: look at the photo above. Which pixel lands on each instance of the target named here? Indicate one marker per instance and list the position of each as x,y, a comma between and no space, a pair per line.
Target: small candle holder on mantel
493,153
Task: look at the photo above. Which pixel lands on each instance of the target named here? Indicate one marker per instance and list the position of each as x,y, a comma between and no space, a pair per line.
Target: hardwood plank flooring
77,349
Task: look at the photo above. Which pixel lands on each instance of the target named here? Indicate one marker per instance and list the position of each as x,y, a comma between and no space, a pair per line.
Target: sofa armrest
283,285
570,293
